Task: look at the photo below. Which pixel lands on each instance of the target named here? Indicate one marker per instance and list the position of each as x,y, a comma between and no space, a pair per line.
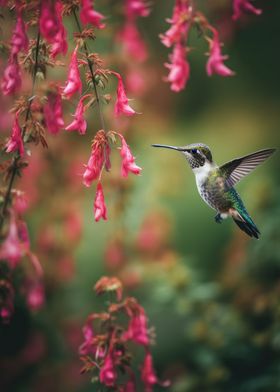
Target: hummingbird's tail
245,223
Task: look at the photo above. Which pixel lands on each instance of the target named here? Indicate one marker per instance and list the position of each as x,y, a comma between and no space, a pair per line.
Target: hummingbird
215,183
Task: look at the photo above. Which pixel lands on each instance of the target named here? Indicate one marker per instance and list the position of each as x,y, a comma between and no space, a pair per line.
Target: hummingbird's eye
194,151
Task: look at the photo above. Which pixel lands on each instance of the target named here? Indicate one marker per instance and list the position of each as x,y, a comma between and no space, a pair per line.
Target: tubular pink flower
94,166
49,20
53,114
242,6
133,43
179,69
100,210
11,82
19,38
108,374
73,83
137,8
148,375
137,329
12,249
89,15
122,106
15,142
79,123
128,160
86,347
180,24
215,63
35,295
59,42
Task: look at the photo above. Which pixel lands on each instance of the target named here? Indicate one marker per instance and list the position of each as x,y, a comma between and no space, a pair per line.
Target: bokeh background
211,293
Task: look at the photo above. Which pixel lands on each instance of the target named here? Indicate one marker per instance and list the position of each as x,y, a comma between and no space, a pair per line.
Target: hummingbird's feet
218,218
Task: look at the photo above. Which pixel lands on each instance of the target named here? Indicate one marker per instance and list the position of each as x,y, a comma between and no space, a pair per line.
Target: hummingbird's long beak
171,147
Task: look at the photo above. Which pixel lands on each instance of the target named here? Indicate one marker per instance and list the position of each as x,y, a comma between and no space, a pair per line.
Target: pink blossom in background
11,81
100,210
79,123
20,202
179,68
215,63
242,6
19,38
180,24
132,41
122,106
6,300
35,295
89,15
15,142
108,374
49,20
128,387
136,81
74,83
53,114
128,160
136,8
73,224
59,42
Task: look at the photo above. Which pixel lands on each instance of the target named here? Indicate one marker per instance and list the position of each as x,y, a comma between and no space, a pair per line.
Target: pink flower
180,24
79,123
148,375
59,41
242,6
15,142
19,38
100,147
100,210
49,20
35,295
129,386
12,78
137,8
11,249
73,83
132,41
89,15
108,374
53,113
128,160
215,63
137,329
86,347
179,69
121,106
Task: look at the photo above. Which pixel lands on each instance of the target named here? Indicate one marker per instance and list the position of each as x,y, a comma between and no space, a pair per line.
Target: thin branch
14,166
90,66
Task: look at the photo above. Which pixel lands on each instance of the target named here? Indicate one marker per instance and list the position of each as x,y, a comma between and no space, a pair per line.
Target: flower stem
14,166
90,66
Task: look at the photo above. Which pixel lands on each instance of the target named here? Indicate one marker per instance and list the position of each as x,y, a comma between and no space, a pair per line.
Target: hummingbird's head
197,154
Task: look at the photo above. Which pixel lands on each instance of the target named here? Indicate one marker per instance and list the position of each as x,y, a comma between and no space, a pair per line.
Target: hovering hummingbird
215,183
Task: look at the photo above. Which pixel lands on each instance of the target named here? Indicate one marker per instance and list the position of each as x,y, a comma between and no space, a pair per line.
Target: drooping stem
90,66
14,166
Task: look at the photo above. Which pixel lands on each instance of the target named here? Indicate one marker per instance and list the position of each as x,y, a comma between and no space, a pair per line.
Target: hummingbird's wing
235,170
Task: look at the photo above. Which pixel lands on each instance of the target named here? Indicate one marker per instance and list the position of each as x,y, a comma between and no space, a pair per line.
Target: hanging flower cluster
184,18
105,349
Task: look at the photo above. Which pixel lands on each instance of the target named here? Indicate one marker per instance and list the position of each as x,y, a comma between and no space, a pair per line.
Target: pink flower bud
11,82
121,106
242,6
19,38
215,63
133,44
53,113
108,374
73,83
89,15
49,21
179,69
137,8
15,142
149,377
79,123
128,160
100,210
